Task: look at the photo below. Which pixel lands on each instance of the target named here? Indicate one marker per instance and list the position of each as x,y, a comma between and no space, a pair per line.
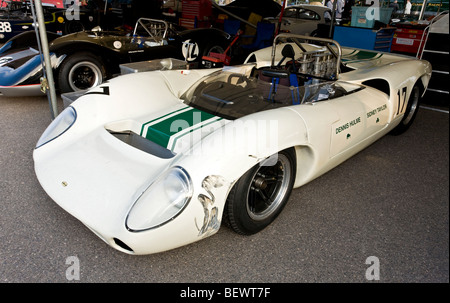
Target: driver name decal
376,110
348,125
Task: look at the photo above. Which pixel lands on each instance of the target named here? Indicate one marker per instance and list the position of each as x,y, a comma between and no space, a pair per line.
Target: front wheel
260,195
80,71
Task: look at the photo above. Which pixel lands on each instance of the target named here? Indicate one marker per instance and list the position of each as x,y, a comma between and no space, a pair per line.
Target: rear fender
109,58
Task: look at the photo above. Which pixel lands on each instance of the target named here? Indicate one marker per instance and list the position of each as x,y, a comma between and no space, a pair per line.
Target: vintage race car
155,160
302,19
16,17
85,59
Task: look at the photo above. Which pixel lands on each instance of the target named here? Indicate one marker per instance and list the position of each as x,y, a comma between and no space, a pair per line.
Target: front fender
240,144
25,40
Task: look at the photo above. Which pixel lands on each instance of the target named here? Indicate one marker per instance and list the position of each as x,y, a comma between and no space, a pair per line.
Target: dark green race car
85,59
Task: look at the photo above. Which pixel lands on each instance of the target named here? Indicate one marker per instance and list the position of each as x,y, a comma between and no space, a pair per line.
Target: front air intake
123,245
143,144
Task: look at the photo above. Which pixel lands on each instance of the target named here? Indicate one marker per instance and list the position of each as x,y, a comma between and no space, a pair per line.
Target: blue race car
16,17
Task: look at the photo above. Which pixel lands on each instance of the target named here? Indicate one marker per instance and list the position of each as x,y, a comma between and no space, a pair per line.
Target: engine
318,63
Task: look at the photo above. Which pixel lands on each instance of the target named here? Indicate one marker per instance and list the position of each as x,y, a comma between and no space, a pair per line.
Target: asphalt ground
388,206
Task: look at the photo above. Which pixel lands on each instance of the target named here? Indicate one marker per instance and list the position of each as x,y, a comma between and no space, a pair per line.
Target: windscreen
235,92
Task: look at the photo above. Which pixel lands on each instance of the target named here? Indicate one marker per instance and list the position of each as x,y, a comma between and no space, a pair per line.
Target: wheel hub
84,76
268,188
260,183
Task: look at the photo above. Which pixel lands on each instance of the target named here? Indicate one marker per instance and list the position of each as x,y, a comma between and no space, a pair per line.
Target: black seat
282,76
287,52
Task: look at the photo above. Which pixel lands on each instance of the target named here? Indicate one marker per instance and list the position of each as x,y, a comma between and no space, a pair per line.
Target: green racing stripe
149,122
180,134
177,123
360,55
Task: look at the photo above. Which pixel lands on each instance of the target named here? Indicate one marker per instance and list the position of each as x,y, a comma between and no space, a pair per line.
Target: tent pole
46,53
280,20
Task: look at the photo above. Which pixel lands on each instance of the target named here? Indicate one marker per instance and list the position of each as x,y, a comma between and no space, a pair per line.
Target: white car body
98,178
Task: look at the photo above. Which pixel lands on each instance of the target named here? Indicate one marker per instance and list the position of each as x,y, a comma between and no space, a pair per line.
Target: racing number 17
401,94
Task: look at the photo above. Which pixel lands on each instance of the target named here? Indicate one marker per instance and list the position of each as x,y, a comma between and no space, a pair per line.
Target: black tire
80,71
260,195
207,50
410,113
213,48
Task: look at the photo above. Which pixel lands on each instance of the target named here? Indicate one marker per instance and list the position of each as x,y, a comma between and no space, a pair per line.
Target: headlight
59,126
162,201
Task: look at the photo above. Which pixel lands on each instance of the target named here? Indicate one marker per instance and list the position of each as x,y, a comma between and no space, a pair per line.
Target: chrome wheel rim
268,189
84,75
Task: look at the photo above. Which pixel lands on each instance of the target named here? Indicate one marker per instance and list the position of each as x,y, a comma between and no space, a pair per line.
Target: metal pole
280,20
422,10
33,12
51,92
333,19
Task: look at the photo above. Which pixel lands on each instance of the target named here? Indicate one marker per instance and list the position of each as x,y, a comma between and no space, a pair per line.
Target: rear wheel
80,71
410,113
213,49
260,195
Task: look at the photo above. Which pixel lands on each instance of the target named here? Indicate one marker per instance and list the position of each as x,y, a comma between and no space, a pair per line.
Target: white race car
155,160
303,19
